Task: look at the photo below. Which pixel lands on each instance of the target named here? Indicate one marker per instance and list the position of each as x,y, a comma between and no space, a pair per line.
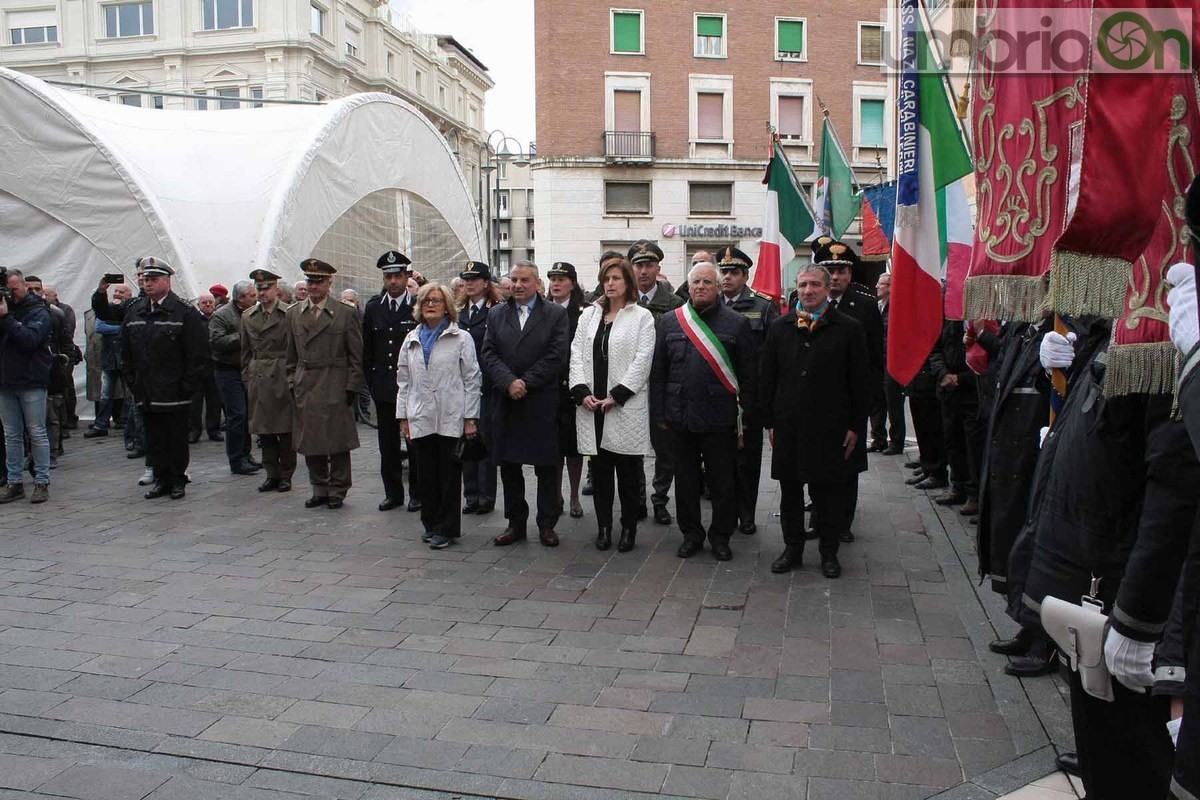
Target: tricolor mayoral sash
714,353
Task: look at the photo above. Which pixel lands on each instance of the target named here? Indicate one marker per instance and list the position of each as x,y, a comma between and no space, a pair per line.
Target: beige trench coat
264,370
324,361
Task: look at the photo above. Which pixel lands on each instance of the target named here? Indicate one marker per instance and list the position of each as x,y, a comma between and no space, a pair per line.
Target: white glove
1042,435
1057,351
1185,325
1129,660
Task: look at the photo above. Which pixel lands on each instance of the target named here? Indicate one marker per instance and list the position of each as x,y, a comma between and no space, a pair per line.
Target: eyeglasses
433,301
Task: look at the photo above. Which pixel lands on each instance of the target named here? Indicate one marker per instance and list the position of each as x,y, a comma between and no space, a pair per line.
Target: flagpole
838,142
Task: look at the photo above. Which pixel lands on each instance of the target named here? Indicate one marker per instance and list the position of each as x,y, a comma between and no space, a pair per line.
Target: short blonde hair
447,298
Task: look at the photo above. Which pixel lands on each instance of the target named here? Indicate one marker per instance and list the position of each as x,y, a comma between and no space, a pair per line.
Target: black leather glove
351,397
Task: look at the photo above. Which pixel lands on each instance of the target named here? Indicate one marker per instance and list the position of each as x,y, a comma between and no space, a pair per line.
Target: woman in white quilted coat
437,401
610,371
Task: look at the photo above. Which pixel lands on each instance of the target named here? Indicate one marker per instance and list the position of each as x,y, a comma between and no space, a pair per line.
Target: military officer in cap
653,294
760,311
264,372
564,290
481,294
387,320
846,296
325,373
164,347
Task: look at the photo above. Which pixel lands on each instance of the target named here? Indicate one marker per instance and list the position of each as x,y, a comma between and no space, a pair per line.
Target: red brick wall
572,40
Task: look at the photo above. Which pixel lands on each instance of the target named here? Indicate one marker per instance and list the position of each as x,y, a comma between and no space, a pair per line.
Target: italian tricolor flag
932,156
788,222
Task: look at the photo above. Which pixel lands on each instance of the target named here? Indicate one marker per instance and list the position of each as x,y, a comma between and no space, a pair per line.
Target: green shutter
627,32
870,124
791,36
709,26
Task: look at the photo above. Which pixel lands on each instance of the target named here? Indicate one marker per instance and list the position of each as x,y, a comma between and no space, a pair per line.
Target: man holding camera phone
25,363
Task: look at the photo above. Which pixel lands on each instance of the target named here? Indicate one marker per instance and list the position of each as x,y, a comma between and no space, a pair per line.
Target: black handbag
470,449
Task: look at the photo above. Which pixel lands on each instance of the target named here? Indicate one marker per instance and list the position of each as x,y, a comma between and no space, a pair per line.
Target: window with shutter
626,198
710,199
710,36
627,111
870,43
32,27
710,122
870,123
627,32
791,117
789,40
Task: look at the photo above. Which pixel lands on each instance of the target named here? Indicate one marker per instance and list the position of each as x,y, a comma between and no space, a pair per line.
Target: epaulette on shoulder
762,296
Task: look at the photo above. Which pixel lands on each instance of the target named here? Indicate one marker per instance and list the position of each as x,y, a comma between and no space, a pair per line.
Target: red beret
218,290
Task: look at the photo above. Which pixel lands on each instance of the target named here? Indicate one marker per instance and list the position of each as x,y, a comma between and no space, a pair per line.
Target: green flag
837,205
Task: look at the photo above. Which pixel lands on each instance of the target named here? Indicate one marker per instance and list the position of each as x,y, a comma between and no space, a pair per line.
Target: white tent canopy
87,186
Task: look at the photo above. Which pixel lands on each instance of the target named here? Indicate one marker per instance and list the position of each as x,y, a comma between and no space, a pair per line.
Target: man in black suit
386,321
524,351
847,298
887,405
479,477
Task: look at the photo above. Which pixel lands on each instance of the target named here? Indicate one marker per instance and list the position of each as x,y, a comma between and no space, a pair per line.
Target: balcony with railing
629,147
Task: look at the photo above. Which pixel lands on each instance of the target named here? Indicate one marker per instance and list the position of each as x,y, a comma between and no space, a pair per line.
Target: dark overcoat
525,431
324,362
815,385
383,332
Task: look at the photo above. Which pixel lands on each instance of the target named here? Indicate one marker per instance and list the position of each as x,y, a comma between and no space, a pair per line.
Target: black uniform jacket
685,393
164,353
383,331
815,385
525,431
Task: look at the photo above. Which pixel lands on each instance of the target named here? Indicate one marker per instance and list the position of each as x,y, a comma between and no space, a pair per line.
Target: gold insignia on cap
837,250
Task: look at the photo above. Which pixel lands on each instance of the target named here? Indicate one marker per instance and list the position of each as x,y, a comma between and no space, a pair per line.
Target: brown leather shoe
951,498
548,537
970,508
511,535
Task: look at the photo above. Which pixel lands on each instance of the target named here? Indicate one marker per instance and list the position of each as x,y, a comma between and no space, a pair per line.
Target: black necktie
472,312
833,303
643,301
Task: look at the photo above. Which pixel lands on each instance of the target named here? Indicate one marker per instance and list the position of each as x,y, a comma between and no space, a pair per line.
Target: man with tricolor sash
704,376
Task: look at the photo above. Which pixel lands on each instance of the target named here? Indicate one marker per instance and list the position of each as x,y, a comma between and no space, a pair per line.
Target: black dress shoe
177,491
486,508
892,450
1016,646
547,537
689,549
95,433
661,515
603,538
269,485
933,483
791,558
285,485
159,489
628,540
831,567
917,477
335,502
642,514
137,452
587,489
846,536
748,528
389,503
877,447
193,438
469,508
414,505
1068,763
216,437
722,552
911,464
244,468
315,501
1032,666
951,498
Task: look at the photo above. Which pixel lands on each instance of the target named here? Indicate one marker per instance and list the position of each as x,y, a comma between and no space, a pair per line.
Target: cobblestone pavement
235,645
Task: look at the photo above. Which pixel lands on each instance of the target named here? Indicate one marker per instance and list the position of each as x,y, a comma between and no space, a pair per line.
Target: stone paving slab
236,645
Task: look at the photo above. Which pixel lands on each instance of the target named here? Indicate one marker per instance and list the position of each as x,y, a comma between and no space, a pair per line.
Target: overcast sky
500,34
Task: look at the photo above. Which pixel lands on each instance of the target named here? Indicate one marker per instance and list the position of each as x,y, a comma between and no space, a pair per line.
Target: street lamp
498,153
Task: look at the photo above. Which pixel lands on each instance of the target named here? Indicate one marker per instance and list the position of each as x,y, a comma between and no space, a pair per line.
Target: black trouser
931,441
887,406
234,400
748,473
1186,784
167,444
479,477
716,453
1124,748
279,455
56,421
960,413
516,509
71,399
391,459
626,470
664,468
441,484
329,474
206,407
828,513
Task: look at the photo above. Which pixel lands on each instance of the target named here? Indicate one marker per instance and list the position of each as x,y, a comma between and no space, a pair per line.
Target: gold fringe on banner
1144,368
962,33
1009,297
1083,284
